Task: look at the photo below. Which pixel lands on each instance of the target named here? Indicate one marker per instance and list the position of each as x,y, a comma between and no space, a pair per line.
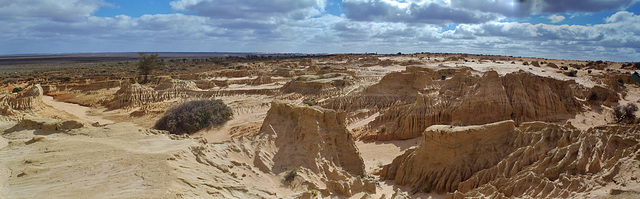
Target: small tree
147,64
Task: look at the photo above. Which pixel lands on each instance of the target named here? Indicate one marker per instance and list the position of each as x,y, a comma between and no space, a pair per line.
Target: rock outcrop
135,94
499,160
131,95
394,89
311,137
310,141
84,86
45,124
318,84
262,79
465,100
26,100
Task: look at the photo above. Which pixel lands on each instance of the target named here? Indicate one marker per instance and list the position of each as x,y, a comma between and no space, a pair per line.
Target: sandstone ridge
500,160
469,100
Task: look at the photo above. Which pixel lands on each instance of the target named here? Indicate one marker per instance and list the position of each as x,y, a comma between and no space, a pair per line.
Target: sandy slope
115,161
83,113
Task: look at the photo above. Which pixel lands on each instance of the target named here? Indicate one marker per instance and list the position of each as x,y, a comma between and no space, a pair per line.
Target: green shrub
192,116
17,89
383,129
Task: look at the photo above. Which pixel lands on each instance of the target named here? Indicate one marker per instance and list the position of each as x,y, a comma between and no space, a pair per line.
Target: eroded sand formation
422,125
500,160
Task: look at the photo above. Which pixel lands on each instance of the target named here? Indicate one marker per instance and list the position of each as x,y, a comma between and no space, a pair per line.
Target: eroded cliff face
309,137
468,100
396,88
132,95
318,85
27,100
312,140
500,160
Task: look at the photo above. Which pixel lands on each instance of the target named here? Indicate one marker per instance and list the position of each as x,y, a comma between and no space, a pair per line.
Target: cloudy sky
569,29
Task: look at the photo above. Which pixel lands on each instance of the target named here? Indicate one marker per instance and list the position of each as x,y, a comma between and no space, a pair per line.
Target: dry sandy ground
82,113
378,154
115,161
78,164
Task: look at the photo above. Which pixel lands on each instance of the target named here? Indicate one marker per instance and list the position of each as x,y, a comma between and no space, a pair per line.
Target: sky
569,29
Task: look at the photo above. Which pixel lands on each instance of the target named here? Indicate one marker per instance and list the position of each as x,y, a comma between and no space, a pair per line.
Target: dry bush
572,73
625,114
310,102
192,116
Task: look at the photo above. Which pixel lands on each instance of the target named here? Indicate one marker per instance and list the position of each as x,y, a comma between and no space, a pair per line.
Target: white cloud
621,17
252,9
556,6
556,18
469,11
58,10
412,11
384,26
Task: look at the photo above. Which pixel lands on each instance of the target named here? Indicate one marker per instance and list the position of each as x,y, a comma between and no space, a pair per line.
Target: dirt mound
498,160
468,100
